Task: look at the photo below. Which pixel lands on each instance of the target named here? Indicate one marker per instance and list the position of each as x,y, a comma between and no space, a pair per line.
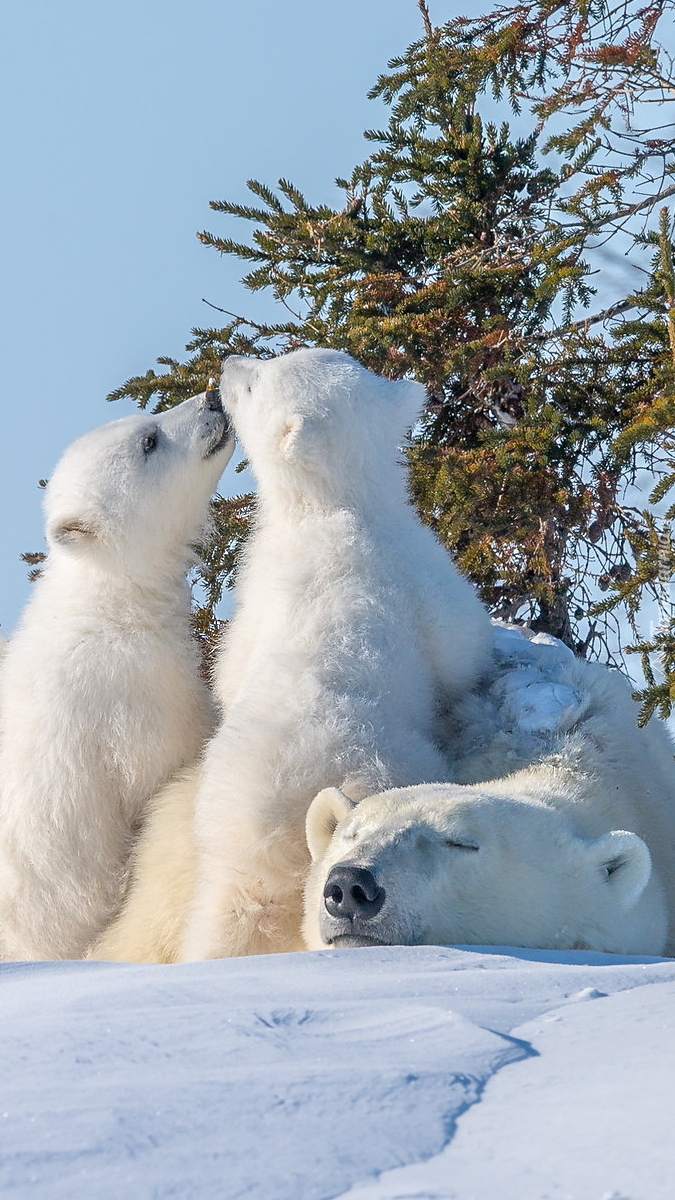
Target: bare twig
240,320
585,322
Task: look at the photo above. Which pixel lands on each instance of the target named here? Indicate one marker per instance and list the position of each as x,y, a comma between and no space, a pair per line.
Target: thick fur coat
351,621
574,851
100,695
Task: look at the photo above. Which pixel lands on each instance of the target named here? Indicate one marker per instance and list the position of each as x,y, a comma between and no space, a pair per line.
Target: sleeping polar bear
100,694
351,620
557,738
574,851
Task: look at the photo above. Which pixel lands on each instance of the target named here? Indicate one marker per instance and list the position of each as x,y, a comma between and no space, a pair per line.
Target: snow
528,691
389,1073
519,713
374,1074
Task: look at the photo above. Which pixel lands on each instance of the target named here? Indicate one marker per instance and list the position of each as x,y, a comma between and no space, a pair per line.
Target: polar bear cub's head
132,495
448,864
318,415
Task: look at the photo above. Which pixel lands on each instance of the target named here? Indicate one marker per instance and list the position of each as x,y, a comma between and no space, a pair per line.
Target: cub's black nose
212,400
352,892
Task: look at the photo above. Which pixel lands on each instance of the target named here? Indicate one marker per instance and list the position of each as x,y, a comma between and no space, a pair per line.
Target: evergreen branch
294,195
228,246
246,211
428,27
265,193
453,250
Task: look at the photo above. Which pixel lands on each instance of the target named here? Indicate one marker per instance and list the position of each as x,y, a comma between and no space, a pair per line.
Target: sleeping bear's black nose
351,892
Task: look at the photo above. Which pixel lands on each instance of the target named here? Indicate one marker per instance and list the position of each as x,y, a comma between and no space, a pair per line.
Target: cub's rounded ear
325,812
73,533
624,862
289,436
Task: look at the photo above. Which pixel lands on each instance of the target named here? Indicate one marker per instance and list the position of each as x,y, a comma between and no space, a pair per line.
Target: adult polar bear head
130,495
446,863
317,430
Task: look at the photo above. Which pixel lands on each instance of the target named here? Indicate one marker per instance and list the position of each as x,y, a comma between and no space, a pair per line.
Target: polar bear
574,851
350,620
100,695
150,925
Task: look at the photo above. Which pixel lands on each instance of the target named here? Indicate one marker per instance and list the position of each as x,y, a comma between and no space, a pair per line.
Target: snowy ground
377,1074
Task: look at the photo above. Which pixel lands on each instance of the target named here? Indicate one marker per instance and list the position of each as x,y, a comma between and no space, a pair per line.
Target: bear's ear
624,862
325,812
73,533
289,436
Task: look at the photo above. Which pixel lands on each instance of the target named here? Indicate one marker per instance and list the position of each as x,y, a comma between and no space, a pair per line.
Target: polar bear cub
100,695
576,851
351,620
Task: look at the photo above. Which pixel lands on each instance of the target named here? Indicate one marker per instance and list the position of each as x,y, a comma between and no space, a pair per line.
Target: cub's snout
218,426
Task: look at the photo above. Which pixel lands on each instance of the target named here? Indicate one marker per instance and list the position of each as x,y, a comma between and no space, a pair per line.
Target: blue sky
121,122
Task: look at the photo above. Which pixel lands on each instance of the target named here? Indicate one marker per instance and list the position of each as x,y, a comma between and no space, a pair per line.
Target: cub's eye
149,443
460,845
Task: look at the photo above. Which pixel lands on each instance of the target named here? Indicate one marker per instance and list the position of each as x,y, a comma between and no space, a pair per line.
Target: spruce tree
467,254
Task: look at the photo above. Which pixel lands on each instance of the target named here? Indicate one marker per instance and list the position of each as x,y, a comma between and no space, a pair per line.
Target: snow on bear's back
540,698
531,695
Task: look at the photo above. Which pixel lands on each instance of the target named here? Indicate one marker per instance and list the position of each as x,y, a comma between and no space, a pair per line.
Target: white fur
151,923
351,620
100,695
576,850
